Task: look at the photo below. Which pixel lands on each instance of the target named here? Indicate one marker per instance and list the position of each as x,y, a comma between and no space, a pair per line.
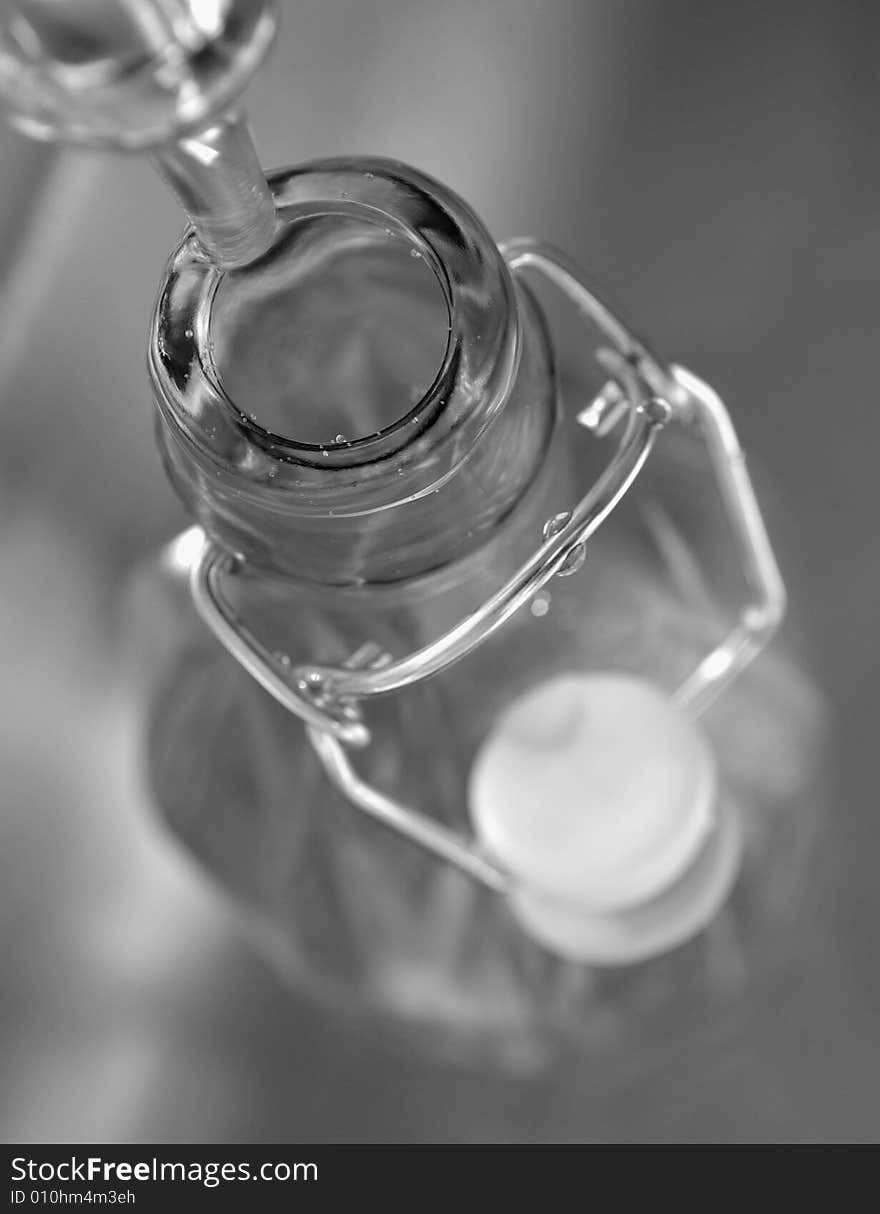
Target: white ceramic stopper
597,793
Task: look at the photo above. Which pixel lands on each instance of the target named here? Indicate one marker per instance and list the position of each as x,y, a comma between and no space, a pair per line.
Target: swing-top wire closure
327,698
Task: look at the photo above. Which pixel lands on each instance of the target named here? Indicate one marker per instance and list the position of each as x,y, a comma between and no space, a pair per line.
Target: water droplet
370,176
574,562
340,438
187,333
555,524
414,253
272,472
344,194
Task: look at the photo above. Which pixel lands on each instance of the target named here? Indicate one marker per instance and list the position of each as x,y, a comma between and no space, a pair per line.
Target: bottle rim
468,391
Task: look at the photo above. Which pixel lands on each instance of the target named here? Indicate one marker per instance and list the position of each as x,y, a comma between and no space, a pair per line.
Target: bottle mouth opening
339,337
256,372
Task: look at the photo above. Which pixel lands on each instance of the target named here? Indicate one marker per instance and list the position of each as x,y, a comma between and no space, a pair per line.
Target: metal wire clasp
650,396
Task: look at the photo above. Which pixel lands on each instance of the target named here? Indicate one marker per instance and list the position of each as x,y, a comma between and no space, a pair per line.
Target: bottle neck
367,403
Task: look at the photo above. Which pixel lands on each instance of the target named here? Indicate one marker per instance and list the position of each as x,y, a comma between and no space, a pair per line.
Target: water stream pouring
160,76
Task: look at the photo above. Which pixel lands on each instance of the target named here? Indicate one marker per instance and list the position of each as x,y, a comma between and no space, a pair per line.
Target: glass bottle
375,427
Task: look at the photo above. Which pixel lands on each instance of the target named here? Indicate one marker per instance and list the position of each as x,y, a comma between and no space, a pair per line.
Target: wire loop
327,698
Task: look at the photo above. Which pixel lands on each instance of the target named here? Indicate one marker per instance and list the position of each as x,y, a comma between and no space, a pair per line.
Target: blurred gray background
716,167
